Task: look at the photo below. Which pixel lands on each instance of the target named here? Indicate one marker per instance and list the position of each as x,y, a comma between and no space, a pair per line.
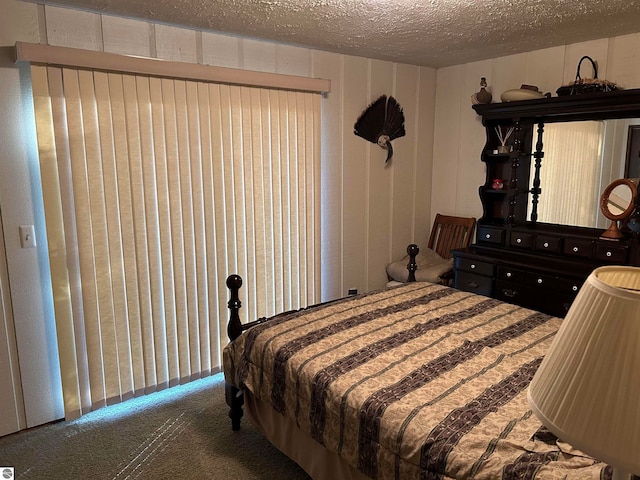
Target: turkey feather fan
381,122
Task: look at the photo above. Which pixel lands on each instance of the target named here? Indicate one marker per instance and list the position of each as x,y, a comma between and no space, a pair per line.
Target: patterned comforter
415,382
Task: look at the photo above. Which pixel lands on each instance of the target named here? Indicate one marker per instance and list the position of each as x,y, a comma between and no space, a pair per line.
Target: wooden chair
448,233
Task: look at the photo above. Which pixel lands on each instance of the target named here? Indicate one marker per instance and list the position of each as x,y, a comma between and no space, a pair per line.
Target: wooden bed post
232,394
412,266
234,328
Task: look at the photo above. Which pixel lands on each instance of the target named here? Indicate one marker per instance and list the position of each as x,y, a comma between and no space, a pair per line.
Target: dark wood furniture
448,234
516,258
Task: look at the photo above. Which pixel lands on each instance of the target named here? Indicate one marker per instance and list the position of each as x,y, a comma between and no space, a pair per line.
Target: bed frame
235,328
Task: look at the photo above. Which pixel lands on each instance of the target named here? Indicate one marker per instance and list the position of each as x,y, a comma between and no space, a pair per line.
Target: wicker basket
586,85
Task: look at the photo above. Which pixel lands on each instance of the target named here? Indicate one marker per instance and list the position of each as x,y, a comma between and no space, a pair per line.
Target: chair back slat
449,233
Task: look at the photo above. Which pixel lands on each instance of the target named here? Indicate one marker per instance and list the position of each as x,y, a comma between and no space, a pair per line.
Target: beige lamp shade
587,389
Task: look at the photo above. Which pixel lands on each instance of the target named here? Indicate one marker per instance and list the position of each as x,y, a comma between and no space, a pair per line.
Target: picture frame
632,162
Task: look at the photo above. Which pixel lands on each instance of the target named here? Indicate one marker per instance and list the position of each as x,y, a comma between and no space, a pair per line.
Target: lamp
587,389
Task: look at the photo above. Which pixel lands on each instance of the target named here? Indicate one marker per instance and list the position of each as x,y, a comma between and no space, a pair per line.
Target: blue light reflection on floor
137,405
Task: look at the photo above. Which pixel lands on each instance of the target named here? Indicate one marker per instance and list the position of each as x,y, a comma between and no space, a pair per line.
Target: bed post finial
234,328
412,266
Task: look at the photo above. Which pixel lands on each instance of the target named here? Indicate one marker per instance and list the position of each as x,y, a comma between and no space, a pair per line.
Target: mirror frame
613,231
532,114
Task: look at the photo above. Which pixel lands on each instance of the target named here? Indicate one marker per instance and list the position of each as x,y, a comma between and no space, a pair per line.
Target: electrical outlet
352,291
27,236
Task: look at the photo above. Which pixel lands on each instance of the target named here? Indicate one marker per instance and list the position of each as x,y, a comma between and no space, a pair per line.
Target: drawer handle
575,249
545,244
609,254
508,274
518,240
539,281
487,236
473,265
509,293
473,284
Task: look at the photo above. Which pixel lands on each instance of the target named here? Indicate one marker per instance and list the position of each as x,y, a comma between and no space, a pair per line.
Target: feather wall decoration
381,122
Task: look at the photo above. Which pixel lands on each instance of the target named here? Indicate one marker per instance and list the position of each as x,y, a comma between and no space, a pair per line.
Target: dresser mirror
580,160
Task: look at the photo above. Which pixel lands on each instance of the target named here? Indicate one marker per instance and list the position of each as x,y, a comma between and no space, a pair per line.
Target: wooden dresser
516,258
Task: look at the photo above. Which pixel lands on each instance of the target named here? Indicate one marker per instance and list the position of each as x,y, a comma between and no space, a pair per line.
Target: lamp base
620,475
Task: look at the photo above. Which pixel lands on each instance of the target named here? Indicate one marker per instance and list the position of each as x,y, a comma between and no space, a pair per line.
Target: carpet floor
181,433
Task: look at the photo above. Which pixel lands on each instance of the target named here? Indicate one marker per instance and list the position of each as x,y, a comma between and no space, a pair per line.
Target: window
155,190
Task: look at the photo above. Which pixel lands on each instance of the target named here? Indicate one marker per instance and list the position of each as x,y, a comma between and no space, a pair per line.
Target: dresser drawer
490,235
556,284
470,282
555,304
512,293
550,301
523,240
544,281
611,253
511,275
474,266
547,243
578,247
570,286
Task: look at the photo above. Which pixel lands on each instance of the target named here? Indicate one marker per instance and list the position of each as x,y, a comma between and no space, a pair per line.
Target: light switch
27,236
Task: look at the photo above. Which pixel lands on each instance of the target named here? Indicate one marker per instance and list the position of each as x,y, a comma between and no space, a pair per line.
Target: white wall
459,134
21,204
11,400
371,211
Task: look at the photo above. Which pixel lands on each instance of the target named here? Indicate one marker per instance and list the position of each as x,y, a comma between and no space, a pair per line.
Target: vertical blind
155,190
570,190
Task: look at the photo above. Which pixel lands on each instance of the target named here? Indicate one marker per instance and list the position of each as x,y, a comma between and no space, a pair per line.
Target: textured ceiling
433,33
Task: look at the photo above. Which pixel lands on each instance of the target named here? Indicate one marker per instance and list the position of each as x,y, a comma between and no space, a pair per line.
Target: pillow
430,267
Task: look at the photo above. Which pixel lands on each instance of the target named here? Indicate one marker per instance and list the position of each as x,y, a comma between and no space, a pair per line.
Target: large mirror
580,160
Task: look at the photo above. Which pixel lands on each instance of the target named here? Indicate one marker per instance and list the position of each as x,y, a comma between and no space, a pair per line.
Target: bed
418,381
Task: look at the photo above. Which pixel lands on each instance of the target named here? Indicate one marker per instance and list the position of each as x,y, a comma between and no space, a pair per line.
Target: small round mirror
616,204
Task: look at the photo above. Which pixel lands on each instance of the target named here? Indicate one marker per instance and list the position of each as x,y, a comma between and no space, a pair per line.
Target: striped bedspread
419,381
